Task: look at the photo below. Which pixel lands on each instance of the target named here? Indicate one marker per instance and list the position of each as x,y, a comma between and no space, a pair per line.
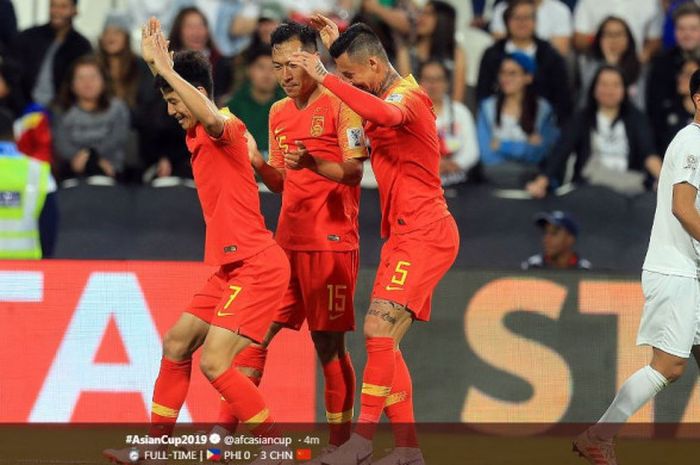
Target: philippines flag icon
214,455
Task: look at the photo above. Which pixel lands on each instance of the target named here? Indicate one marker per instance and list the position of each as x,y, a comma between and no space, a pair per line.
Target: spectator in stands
8,25
516,128
559,234
551,80
129,75
190,31
238,22
435,40
391,21
613,45
455,123
661,84
91,129
676,112
252,102
644,17
47,52
132,82
554,23
28,209
610,138
11,97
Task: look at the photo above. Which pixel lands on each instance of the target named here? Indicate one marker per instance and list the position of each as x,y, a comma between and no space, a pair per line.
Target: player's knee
674,372
328,345
212,366
175,347
374,327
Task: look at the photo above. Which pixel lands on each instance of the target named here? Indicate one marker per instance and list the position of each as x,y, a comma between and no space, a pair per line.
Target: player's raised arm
366,105
155,51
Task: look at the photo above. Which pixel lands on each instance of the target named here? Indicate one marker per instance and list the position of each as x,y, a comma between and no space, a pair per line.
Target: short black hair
260,50
6,125
290,30
685,9
512,5
358,39
695,83
194,68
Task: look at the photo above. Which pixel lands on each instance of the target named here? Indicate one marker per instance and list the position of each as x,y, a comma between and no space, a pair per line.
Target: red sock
254,357
376,383
340,398
399,406
245,401
169,394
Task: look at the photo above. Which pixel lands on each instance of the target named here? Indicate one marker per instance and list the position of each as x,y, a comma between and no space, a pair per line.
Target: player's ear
203,90
373,63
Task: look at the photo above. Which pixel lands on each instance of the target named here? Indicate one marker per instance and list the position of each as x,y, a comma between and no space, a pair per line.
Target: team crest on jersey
691,162
317,124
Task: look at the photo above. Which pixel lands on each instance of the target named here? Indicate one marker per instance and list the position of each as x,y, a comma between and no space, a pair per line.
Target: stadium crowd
531,95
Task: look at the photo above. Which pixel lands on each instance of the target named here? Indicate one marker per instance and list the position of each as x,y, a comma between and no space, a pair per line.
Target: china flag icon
303,454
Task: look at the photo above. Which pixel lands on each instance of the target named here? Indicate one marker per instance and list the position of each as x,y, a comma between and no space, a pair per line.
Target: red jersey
317,214
228,193
406,162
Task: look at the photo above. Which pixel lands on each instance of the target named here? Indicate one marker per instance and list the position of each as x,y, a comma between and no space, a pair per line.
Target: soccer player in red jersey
422,239
317,148
235,307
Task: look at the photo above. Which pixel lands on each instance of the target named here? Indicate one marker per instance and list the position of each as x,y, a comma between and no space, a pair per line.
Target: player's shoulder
686,139
330,100
228,116
280,105
406,90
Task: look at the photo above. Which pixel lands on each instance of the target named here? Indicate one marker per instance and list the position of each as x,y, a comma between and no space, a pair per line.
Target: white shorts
671,316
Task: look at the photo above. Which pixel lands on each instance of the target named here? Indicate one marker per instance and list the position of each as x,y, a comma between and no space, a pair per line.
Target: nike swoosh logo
361,460
335,316
278,130
220,313
394,288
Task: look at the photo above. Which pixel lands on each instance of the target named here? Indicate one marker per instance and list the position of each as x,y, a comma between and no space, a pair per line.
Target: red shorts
243,296
412,264
321,290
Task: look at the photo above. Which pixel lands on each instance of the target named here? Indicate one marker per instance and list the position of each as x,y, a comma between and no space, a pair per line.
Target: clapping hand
298,159
154,47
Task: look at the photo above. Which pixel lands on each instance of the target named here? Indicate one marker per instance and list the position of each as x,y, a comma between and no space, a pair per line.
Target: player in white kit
671,317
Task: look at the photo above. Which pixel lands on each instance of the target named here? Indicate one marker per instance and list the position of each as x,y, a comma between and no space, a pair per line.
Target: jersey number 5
400,273
281,144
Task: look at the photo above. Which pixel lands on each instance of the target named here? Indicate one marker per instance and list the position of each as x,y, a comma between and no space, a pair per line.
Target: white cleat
595,451
403,456
357,451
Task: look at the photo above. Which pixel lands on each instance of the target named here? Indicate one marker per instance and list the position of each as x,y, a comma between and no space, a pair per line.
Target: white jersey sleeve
686,165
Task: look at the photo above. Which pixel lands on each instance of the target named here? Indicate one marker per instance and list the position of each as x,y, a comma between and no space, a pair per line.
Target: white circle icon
214,438
134,455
